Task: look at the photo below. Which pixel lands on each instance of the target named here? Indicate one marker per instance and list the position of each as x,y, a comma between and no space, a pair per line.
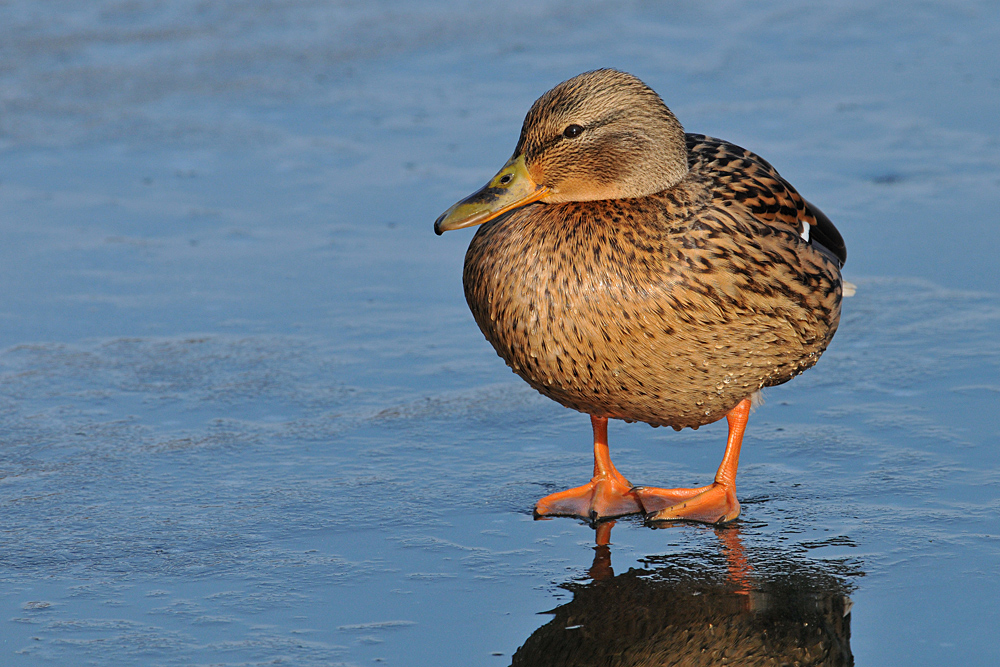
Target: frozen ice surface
246,417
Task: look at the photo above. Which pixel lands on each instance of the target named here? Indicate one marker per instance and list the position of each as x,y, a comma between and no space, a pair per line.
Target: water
247,418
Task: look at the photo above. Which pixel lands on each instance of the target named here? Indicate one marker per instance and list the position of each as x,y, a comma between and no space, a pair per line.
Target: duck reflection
711,608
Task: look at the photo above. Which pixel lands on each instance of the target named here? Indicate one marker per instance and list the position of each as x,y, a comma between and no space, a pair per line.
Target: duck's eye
571,131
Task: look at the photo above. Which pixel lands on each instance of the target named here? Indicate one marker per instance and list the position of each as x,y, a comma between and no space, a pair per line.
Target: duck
630,270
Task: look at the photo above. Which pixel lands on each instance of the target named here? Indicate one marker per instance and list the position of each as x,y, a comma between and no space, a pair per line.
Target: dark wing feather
752,180
825,236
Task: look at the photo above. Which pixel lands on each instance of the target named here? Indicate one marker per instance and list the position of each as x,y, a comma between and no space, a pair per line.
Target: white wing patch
805,231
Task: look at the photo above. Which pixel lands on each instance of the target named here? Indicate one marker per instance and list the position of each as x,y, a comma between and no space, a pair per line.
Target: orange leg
715,503
608,494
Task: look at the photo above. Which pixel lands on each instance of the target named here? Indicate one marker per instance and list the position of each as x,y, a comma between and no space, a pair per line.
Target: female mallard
631,271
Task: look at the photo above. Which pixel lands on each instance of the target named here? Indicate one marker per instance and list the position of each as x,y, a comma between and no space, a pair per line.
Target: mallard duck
631,271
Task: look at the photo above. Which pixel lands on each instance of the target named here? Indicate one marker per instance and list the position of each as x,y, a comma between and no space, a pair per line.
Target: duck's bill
511,188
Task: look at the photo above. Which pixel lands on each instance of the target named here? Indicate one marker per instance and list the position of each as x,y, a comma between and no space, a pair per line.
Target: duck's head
601,135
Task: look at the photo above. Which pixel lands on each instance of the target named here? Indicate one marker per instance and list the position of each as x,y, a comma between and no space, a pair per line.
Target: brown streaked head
600,135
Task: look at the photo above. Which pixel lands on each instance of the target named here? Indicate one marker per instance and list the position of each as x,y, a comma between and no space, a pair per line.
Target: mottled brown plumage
667,309
648,275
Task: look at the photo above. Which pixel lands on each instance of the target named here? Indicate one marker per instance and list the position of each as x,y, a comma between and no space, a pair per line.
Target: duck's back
667,309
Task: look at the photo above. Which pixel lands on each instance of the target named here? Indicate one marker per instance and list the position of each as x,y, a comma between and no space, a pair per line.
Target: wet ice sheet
212,499
245,413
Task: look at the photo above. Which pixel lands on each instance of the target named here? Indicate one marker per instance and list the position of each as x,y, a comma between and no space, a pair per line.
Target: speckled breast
608,309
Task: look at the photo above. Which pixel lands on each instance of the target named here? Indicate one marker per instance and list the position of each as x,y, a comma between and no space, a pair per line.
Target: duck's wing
824,236
745,177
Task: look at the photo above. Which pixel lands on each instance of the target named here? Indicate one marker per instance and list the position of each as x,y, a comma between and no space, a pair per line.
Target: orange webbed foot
715,503
608,494
604,497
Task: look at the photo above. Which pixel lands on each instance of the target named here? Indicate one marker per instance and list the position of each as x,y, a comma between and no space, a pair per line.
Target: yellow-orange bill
511,188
